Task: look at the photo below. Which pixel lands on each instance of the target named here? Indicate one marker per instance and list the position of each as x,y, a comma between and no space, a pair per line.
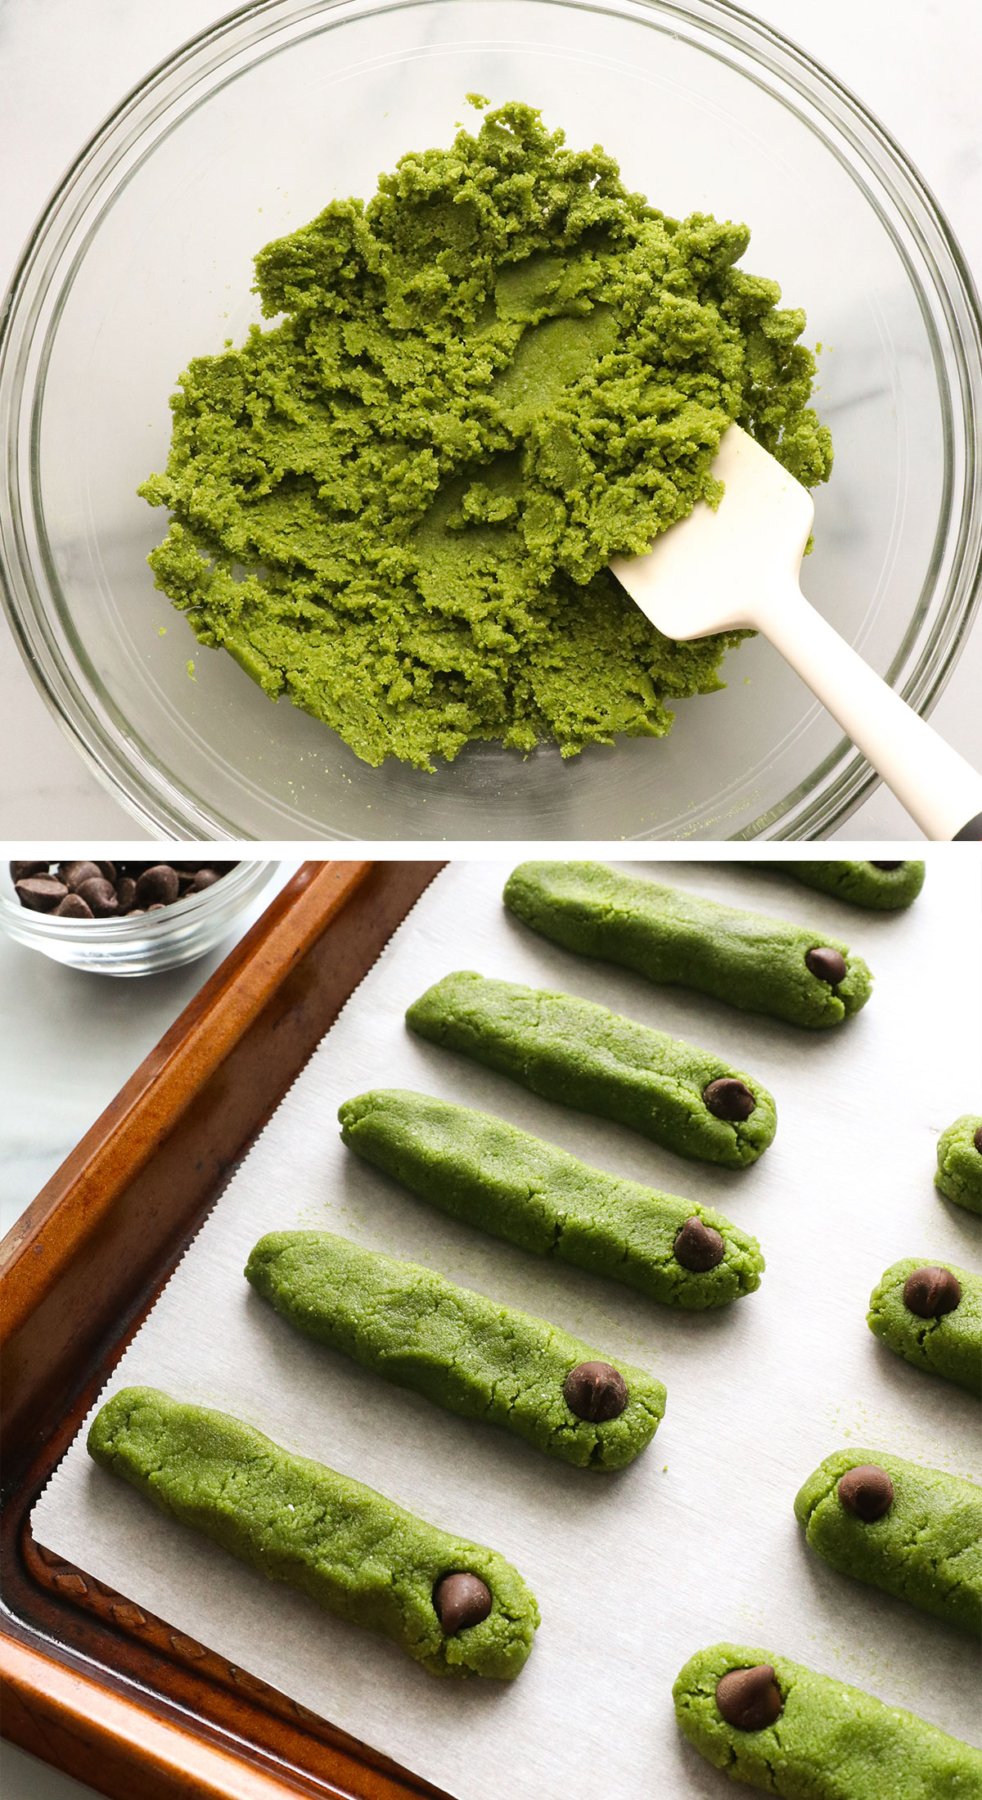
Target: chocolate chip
898,865
729,1099
698,1247
19,871
41,893
100,895
595,1391
74,873
866,1491
827,964
158,884
461,1600
750,1698
930,1292
204,878
108,870
977,1139
126,893
72,907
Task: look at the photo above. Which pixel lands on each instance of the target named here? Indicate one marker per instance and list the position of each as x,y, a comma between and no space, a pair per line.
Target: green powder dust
396,505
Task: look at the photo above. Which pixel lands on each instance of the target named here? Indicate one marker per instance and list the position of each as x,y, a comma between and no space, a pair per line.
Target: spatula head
718,569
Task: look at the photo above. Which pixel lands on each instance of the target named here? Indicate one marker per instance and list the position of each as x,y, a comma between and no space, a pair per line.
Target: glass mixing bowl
144,259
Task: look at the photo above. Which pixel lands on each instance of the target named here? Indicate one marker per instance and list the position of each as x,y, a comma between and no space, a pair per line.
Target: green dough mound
831,1742
396,505
684,940
959,1172
861,883
950,1345
350,1549
582,1055
461,1350
926,1548
505,1181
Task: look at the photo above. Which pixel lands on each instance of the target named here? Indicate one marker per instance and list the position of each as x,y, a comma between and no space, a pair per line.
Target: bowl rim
234,889
808,811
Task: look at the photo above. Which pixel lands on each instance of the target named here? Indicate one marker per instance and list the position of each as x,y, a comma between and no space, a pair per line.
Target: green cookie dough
461,1350
925,1548
352,1550
669,936
959,1172
483,1170
396,505
950,1344
830,1741
881,887
581,1055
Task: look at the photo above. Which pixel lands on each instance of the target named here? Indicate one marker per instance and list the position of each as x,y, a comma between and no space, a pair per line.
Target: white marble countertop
64,64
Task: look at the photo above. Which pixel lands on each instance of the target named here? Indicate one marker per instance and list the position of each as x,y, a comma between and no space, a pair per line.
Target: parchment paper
697,1541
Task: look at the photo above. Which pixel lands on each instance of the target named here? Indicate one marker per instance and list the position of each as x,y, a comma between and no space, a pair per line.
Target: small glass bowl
141,944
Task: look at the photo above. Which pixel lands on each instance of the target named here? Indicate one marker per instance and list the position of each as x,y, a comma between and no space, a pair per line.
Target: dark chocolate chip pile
107,890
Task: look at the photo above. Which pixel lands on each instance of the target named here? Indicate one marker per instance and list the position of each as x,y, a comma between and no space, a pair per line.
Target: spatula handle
940,790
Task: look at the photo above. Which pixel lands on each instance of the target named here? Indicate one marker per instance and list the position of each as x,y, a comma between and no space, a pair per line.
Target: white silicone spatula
737,567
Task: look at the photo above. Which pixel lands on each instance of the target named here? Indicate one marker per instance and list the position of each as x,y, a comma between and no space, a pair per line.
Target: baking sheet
697,1541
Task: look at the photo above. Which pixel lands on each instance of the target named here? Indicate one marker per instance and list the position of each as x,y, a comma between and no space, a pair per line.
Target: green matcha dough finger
959,1172
454,1606
463,1351
581,1055
912,1531
780,1727
931,1314
760,964
879,886
483,1170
